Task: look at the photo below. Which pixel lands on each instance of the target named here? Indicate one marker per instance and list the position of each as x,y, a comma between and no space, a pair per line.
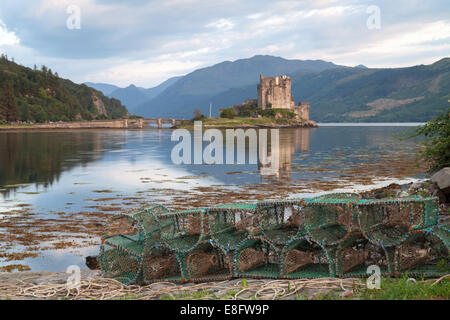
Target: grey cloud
121,32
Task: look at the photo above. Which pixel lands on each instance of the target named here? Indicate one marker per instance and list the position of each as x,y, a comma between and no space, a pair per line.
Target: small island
274,108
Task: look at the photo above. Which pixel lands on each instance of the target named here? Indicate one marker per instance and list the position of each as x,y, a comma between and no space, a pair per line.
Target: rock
442,178
403,194
92,263
441,195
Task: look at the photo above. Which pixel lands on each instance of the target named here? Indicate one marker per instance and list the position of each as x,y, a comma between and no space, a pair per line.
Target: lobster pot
123,225
356,254
327,224
206,263
148,218
388,222
424,254
160,264
120,264
424,212
304,259
228,227
443,233
279,222
124,232
257,258
181,231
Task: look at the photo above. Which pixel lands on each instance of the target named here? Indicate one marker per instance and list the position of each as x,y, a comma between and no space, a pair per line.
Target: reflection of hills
291,141
41,157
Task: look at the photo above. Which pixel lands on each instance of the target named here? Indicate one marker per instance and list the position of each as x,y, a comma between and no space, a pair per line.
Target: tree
198,115
436,149
228,113
8,105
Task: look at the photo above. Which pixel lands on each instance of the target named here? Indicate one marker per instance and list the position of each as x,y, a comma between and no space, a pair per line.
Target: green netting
182,231
257,258
423,253
279,222
228,227
208,263
160,264
302,258
389,222
331,235
119,264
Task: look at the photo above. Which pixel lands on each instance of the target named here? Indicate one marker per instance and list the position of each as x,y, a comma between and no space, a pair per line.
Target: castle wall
302,110
275,91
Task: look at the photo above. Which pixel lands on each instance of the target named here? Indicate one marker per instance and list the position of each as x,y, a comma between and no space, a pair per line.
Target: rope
108,289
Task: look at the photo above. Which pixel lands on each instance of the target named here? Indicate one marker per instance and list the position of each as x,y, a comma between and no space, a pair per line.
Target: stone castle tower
275,92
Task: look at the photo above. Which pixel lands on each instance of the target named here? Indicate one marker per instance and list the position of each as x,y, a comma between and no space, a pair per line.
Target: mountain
153,92
130,96
195,90
416,93
41,95
133,96
336,93
107,89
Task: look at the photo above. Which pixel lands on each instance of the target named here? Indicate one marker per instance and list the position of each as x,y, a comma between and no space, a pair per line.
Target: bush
437,142
228,113
271,113
198,115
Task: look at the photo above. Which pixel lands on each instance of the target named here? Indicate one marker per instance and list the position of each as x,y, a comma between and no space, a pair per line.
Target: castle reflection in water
290,142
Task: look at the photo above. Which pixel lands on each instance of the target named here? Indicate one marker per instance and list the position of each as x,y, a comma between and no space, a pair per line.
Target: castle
275,93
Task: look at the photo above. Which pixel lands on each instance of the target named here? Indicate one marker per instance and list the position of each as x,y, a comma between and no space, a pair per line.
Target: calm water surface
48,178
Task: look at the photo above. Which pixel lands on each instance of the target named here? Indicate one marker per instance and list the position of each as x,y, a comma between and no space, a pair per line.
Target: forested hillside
34,95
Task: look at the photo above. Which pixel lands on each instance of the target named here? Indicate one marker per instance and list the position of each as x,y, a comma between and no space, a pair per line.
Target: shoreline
133,124
94,124
247,123
20,279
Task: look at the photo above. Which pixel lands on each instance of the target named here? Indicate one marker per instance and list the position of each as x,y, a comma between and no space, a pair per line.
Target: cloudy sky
147,41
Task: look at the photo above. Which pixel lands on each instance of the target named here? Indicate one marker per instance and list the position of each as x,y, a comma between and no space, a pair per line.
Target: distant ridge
195,90
336,93
105,88
132,96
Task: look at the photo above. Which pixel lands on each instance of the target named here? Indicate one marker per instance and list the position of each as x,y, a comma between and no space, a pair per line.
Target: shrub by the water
437,142
228,113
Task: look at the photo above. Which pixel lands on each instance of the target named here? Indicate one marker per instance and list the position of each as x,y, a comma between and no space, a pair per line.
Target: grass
401,289
15,126
240,122
397,289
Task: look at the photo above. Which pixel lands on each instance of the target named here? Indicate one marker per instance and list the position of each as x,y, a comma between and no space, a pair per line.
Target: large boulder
442,178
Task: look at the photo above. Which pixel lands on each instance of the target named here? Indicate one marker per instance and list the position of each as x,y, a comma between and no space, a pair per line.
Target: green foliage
271,113
40,95
437,142
8,103
248,110
228,113
401,289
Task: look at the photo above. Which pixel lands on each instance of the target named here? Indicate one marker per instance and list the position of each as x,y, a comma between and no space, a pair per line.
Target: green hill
197,89
336,93
41,95
416,93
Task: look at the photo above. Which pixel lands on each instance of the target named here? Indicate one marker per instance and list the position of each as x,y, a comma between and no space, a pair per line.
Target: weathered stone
92,263
442,179
276,93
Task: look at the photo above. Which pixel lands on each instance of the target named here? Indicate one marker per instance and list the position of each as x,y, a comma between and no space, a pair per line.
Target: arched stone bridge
159,122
